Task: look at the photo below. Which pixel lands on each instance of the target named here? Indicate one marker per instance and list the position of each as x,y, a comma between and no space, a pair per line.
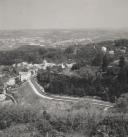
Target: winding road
40,92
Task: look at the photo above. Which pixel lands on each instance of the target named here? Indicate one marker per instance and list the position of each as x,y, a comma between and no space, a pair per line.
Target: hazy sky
36,14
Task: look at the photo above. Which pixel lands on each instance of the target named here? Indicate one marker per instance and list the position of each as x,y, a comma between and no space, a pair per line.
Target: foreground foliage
31,122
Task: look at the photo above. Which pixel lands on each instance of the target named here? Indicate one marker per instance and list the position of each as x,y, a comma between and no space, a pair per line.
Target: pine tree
105,62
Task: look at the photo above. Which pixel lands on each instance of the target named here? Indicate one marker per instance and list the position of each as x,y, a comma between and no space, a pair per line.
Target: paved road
40,92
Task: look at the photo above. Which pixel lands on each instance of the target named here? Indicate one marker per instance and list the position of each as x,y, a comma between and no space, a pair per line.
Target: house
38,66
111,52
33,71
69,65
24,75
123,50
2,97
62,65
46,64
14,65
11,82
19,65
104,49
24,63
29,66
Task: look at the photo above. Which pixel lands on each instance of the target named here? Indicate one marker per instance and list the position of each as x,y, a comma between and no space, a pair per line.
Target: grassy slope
82,116
60,112
26,96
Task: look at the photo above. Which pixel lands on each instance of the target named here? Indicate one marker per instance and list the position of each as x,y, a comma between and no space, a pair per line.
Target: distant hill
57,38
80,52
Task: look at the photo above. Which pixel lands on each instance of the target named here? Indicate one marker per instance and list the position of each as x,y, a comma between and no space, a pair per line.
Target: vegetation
112,127
107,87
43,118
35,54
31,121
43,123
31,54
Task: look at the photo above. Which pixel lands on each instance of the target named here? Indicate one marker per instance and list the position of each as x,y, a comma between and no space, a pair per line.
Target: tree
105,62
122,103
121,62
123,72
97,61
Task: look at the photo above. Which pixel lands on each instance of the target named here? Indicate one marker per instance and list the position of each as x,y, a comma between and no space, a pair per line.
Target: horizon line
97,28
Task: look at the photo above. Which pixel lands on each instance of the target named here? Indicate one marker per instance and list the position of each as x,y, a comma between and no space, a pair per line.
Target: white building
123,50
29,66
24,63
46,64
70,65
111,52
38,66
14,65
24,75
19,64
33,71
104,49
2,97
62,65
11,82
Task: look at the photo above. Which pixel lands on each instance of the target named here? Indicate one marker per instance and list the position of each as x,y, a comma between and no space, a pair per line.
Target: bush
121,103
43,124
111,127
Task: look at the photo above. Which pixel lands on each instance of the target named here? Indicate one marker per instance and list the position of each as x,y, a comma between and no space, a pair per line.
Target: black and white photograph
63,68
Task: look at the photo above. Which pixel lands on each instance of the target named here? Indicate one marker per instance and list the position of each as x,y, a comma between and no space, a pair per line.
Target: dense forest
35,54
106,87
89,81
30,54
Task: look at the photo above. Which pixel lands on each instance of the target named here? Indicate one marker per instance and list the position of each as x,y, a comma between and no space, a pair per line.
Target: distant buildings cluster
26,70
112,52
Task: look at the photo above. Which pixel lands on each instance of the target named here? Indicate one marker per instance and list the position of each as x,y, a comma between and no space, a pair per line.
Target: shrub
121,103
112,127
43,126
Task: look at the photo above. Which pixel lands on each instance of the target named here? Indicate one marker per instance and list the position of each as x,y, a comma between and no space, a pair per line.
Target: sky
68,14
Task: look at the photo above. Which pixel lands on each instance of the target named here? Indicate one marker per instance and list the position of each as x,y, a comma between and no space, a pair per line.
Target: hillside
36,116
36,54
10,40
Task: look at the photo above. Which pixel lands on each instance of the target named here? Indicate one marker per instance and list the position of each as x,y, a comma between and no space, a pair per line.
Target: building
2,97
69,65
24,75
29,66
62,65
46,64
11,82
38,66
104,49
111,52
